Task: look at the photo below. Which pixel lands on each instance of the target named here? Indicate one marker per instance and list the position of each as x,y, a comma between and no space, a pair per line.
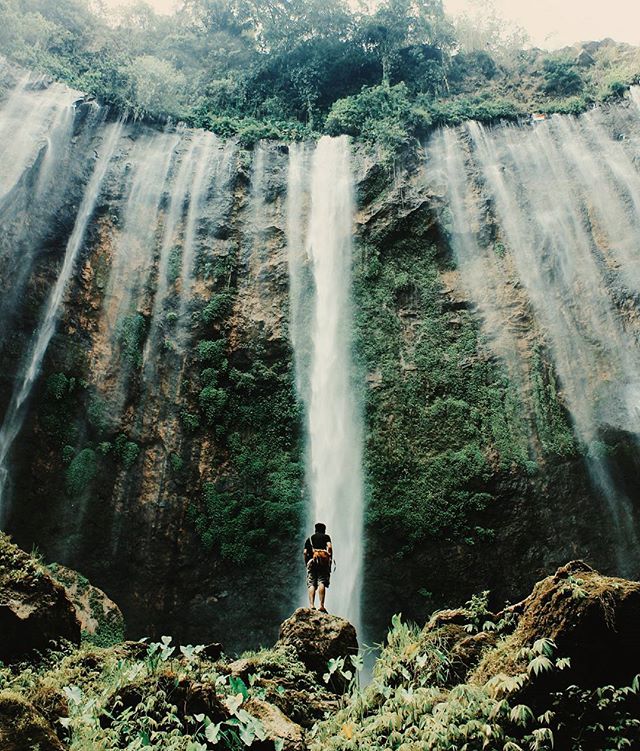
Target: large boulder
35,611
317,638
100,618
593,619
22,726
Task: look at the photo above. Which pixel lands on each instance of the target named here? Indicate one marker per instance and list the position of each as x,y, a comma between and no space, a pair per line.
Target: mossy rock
101,620
22,727
35,611
593,619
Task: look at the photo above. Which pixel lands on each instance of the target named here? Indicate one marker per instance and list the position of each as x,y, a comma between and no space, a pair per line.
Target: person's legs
312,596
321,593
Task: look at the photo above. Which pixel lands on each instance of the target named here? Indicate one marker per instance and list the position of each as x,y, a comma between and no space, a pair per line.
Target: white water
566,195
334,471
170,239
15,414
300,277
151,159
30,119
213,162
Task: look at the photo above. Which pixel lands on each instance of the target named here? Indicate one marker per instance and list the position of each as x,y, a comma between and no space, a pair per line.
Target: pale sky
549,23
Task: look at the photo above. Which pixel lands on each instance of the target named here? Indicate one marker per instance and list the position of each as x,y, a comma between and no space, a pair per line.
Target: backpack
321,558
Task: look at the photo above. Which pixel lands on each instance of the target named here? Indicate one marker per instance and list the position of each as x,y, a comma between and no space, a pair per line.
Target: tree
402,23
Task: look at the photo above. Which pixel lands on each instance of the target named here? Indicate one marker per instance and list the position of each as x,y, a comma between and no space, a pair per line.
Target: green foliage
212,352
561,77
97,414
257,501
442,419
174,265
380,114
176,462
127,451
552,421
81,472
59,385
218,307
483,107
58,407
68,452
412,702
190,421
255,69
212,402
132,333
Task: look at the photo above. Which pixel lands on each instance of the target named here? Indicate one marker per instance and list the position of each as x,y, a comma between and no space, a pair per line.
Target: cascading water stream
28,120
15,414
566,199
334,430
178,197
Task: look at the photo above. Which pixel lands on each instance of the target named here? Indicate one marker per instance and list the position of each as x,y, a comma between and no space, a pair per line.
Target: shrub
132,333
212,352
218,307
127,451
561,77
59,385
212,402
81,471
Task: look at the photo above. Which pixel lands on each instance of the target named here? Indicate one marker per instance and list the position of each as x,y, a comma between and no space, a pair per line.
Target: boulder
277,726
22,727
593,619
286,683
317,638
100,618
35,611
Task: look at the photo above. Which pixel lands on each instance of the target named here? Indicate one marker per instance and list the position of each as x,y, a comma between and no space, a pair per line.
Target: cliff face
161,451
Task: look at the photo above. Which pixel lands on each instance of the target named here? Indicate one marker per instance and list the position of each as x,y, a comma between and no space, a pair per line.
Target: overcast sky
549,23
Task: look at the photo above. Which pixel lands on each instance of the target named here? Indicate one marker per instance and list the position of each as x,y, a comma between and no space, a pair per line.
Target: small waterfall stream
16,411
31,119
325,374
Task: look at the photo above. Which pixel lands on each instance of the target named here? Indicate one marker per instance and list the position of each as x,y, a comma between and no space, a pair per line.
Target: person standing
318,556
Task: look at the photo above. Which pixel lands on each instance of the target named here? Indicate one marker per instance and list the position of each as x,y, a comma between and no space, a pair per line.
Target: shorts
317,575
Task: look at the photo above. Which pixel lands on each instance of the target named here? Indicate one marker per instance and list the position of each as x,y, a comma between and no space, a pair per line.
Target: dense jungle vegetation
383,72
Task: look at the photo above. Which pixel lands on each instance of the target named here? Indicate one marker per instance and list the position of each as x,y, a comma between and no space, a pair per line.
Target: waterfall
211,158
151,160
300,277
15,414
31,118
566,198
334,430
170,240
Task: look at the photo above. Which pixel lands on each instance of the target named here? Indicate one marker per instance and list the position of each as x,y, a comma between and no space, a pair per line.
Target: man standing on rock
318,555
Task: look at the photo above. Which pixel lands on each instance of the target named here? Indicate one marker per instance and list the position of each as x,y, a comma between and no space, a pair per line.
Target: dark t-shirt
317,541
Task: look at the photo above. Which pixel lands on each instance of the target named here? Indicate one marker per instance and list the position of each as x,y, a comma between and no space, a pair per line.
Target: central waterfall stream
321,324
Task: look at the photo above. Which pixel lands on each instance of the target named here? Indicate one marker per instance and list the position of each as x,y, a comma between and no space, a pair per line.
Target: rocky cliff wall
162,453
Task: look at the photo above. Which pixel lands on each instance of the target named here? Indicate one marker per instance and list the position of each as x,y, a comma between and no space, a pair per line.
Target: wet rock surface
98,614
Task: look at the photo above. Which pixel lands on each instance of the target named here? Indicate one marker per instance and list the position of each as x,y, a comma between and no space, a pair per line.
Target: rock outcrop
98,614
23,727
594,621
35,611
317,638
